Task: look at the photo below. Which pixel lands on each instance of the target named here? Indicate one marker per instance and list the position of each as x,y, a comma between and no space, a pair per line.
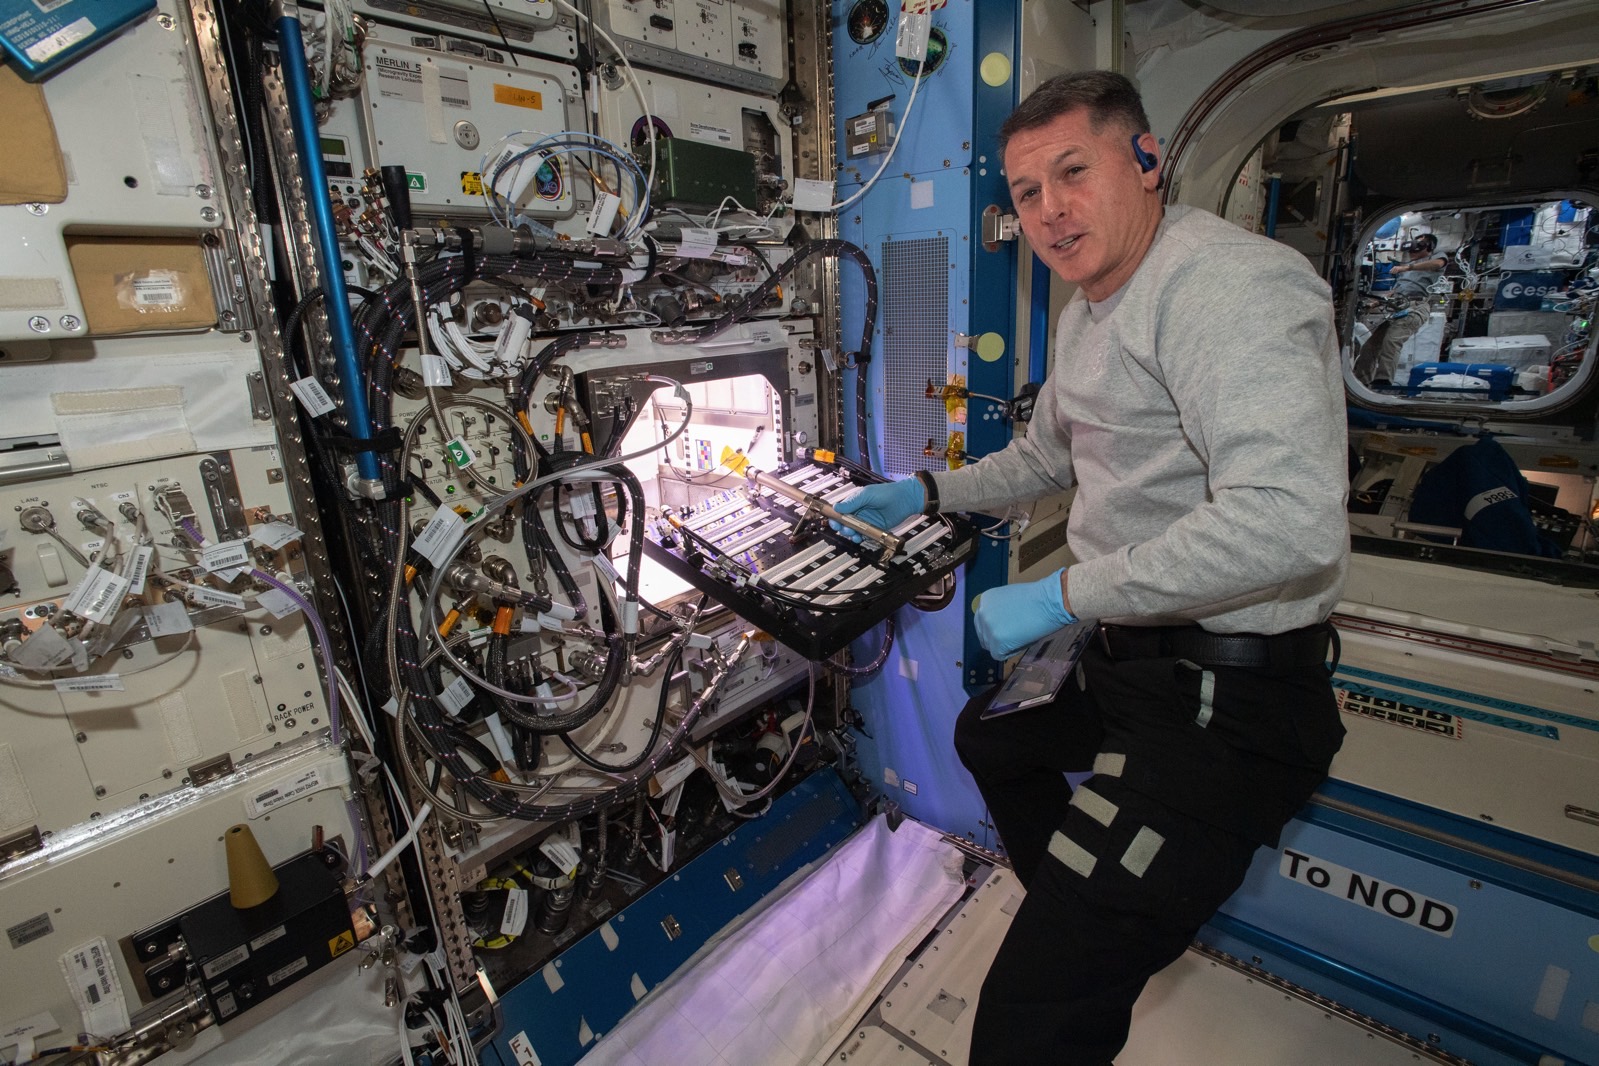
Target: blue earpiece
1146,160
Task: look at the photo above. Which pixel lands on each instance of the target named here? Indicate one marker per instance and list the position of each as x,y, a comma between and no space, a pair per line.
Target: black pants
1193,769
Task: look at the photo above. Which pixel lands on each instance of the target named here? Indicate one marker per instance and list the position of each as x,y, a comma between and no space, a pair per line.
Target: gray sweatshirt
1201,416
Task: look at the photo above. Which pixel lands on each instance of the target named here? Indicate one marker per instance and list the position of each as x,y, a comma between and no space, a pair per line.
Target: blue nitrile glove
1010,617
884,506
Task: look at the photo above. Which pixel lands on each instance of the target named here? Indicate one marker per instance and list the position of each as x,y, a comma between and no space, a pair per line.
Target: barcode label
455,696
439,539
312,396
99,683
141,568
214,597
98,596
225,556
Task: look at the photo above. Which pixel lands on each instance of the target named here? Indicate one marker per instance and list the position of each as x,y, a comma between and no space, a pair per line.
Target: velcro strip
1094,805
1073,855
1110,763
1141,852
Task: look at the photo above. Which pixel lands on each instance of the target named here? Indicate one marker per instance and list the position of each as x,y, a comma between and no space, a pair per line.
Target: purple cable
322,642
326,647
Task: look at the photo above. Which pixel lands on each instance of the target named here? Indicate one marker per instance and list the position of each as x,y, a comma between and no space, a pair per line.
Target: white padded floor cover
787,987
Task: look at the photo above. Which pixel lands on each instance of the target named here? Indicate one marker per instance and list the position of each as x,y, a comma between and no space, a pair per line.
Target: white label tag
393,707
562,854
910,42
456,694
549,621
98,596
283,791
439,539
274,535
522,1048
502,740
698,243
157,290
608,568
312,396
226,556
280,603
214,597
435,371
581,505
99,683
45,649
168,619
141,568
92,975
812,195
604,213
515,919
22,1034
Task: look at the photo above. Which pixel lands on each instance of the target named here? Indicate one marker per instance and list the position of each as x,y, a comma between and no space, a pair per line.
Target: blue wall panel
927,193
1517,954
595,981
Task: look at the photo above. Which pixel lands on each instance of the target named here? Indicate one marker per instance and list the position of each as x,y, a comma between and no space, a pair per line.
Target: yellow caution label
472,183
510,94
734,461
340,944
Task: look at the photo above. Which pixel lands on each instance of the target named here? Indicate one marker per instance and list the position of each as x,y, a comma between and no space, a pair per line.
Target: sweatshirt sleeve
1030,466
1246,347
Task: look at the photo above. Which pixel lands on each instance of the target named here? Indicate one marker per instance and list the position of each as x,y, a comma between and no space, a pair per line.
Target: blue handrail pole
1274,194
336,300
1038,323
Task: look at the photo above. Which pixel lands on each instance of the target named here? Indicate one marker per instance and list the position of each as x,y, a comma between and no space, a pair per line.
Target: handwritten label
168,619
280,603
274,535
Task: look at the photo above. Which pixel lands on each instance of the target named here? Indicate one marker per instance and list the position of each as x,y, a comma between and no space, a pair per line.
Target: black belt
1298,647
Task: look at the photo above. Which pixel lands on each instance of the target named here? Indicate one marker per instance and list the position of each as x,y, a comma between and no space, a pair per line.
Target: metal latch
670,927
734,880
206,772
998,227
21,843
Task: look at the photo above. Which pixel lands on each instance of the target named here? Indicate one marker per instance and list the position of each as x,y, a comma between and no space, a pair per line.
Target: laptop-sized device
1043,669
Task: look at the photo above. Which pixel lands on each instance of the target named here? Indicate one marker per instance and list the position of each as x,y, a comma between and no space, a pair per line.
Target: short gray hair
1108,96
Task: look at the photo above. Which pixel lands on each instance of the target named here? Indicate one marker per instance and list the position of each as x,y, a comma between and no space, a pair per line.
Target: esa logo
1515,289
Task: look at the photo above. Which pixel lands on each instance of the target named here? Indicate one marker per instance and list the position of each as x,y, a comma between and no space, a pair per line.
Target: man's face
1087,208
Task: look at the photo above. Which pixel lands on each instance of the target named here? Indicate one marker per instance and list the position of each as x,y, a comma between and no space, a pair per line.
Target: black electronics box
245,956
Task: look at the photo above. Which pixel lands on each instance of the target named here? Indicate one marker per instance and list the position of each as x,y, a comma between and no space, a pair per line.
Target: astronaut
1195,402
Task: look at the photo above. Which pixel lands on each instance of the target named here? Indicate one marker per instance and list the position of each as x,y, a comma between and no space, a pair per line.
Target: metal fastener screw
203,191
99,791
166,22
70,322
38,209
82,737
166,773
39,324
208,214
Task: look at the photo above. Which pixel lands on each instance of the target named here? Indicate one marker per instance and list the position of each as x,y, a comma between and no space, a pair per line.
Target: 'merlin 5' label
1409,907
